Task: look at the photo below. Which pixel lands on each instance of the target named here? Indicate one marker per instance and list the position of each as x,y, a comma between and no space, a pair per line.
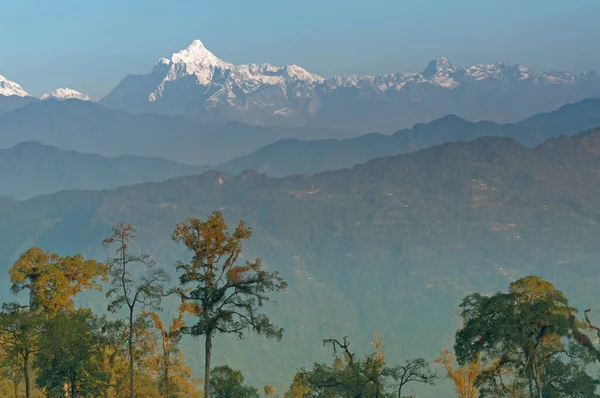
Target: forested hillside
390,246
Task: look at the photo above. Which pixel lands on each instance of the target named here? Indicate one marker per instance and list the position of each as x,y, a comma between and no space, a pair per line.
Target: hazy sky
90,45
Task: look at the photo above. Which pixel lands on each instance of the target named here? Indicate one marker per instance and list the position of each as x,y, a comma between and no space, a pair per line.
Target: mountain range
295,156
31,168
197,84
389,246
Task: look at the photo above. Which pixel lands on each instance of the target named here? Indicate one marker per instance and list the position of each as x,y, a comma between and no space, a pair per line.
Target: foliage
228,383
70,355
520,335
52,280
19,331
129,290
224,297
176,376
464,377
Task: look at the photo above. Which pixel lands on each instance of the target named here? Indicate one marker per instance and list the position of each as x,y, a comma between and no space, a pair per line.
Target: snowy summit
8,88
66,93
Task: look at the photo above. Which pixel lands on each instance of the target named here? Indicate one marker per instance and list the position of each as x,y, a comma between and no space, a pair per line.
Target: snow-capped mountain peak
223,79
64,93
8,88
439,67
196,55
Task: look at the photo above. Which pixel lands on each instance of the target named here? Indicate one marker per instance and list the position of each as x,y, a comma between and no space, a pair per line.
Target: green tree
224,297
348,377
70,354
19,331
229,383
518,334
132,288
412,371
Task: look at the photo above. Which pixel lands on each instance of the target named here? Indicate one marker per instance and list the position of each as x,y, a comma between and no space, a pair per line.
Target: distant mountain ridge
89,127
31,169
195,83
294,156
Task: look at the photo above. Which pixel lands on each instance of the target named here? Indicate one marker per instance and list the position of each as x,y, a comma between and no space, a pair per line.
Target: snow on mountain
196,83
209,70
8,88
65,93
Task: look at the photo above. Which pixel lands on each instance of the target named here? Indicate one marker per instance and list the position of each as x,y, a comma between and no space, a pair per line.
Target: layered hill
388,246
86,126
30,169
294,156
196,83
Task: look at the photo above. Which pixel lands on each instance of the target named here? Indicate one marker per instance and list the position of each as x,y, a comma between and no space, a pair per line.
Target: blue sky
90,45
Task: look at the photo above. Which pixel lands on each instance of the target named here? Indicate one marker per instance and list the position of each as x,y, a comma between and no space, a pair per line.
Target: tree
224,296
53,280
176,376
415,370
300,387
517,334
463,377
129,290
70,354
11,368
229,383
347,377
19,330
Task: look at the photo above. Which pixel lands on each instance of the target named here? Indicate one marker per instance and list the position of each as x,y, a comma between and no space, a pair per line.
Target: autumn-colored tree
53,280
129,288
463,377
300,387
223,296
270,391
176,375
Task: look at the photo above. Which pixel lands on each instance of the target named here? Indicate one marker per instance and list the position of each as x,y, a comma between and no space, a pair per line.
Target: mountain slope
86,126
30,169
196,83
288,157
9,88
389,246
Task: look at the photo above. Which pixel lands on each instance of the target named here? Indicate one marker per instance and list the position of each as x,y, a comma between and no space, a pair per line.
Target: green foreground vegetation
524,343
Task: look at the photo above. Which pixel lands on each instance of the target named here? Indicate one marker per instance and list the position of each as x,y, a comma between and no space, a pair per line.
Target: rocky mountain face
196,83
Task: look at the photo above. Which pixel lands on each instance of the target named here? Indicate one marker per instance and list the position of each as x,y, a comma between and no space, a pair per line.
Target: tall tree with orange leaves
221,294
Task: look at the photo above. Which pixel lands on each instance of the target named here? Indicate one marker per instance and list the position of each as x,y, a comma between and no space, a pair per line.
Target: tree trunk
26,373
130,344
74,389
207,353
16,386
400,391
166,368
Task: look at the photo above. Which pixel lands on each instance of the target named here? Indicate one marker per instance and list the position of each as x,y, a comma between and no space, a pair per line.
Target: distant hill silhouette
295,156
